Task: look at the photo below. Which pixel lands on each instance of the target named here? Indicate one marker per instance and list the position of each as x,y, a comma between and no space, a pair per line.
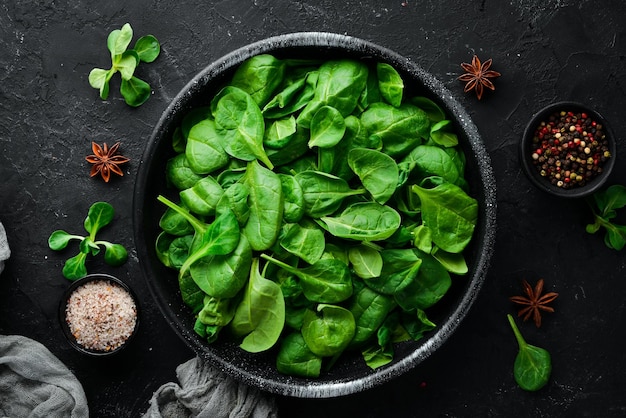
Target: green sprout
123,60
100,214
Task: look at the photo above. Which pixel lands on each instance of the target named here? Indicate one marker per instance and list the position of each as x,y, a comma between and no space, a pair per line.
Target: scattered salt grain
101,315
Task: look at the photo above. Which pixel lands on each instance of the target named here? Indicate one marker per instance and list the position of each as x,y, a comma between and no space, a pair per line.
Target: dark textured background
547,51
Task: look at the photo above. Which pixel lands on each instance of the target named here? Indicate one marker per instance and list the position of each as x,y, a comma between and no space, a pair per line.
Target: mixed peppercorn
569,149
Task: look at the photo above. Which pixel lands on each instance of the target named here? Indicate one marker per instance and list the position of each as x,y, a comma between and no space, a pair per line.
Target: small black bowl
65,326
527,148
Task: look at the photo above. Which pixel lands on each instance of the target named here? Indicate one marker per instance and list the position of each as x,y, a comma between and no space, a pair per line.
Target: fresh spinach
125,61
321,210
533,365
100,214
604,205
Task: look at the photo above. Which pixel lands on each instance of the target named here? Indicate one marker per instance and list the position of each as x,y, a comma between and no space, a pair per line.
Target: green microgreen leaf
125,61
135,91
126,64
147,48
119,39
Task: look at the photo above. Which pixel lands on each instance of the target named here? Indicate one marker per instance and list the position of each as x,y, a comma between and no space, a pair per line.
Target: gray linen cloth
34,383
5,251
205,392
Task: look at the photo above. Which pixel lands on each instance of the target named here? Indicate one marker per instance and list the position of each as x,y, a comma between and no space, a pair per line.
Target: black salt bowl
554,167
350,374
120,343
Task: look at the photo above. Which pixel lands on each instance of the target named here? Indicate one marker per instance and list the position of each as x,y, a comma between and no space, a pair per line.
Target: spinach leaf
266,206
240,124
390,84
339,85
441,134
366,261
323,193
430,285
202,198
180,174
279,132
260,316
369,309
223,276
378,172
221,237
327,127
174,223
305,242
399,269
450,214
363,221
191,294
235,198
399,129
453,262
296,358
328,330
426,161
604,205
533,365
259,76
434,112
204,150
326,281
293,197
292,98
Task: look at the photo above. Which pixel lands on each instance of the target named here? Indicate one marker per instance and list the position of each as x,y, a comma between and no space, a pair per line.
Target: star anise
534,302
477,76
105,161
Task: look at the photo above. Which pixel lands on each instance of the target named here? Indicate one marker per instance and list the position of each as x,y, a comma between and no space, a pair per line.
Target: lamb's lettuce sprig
125,61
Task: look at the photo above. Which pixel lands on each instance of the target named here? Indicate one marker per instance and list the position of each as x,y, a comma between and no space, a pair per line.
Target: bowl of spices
568,150
99,315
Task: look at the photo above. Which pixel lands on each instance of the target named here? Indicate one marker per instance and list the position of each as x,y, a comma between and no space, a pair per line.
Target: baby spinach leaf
162,246
533,365
179,173
339,85
220,238
260,316
604,205
430,285
378,172
426,161
399,129
328,330
450,214
178,250
399,268
292,98
453,262
390,84
202,198
216,312
441,134
416,324
296,358
223,276
279,132
434,112
191,294
423,238
327,127
174,223
235,198
366,261
369,309
326,281
259,76
240,123
266,206
293,196
363,221
204,150
323,193
305,242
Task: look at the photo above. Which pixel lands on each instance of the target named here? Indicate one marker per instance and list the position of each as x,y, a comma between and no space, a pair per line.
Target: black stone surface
547,51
